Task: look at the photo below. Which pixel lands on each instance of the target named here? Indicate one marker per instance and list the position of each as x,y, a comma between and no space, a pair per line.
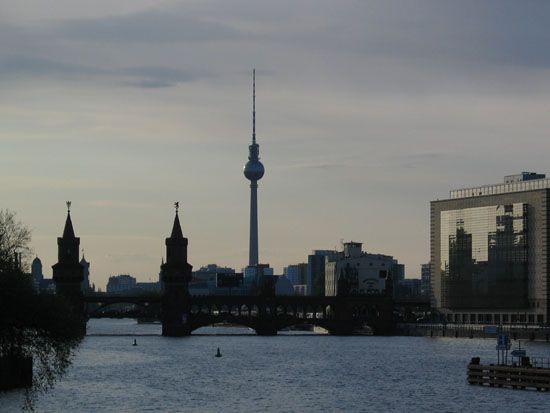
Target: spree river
287,373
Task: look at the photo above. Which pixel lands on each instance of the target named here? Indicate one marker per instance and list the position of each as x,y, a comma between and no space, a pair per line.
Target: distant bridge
182,313
269,314
96,304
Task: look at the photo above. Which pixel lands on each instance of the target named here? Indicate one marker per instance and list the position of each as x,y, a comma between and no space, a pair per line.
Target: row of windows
472,318
484,262
477,231
500,188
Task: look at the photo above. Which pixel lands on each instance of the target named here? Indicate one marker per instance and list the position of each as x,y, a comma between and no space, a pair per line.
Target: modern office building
410,288
120,284
296,273
283,286
147,287
353,271
36,272
213,279
316,271
489,252
40,283
426,280
86,281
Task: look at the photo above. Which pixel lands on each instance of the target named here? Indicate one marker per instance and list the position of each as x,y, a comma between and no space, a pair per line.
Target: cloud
493,31
393,47
158,77
429,94
152,26
139,76
36,66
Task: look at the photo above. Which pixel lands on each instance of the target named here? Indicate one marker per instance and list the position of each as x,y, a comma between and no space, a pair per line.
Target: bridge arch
145,307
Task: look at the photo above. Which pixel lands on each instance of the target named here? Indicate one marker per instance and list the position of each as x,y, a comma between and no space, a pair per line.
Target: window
475,244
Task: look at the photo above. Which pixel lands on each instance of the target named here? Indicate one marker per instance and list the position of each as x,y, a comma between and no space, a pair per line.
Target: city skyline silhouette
367,113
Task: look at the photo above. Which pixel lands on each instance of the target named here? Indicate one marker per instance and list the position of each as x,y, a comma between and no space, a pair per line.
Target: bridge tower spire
175,275
68,273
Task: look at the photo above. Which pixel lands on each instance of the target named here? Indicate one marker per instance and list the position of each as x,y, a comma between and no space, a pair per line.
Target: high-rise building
297,275
121,283
253,171
489,252
86,281
426,280
40,283
206,280
353,271
36,272
409,287
316,271
283,286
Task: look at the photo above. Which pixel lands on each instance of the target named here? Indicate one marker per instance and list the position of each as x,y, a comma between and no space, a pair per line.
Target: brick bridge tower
174,277
68,273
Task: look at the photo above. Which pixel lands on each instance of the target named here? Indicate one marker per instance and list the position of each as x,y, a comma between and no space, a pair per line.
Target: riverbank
529,333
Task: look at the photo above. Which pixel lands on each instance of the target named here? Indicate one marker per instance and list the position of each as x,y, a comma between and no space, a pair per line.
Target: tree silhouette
31,325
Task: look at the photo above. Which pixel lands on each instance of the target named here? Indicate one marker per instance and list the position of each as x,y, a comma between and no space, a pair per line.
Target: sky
366,112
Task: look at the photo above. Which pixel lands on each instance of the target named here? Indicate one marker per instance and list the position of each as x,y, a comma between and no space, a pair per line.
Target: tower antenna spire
253,171
253,106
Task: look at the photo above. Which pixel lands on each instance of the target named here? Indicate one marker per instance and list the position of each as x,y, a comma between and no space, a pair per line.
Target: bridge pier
175,309
171,329
267,329
342,329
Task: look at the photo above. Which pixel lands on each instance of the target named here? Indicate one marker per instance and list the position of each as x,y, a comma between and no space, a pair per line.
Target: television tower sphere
254,170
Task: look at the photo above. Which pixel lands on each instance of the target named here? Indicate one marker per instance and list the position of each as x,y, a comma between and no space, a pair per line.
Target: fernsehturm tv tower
253,170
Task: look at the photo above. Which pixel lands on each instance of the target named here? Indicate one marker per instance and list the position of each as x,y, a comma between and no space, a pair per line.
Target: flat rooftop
525,181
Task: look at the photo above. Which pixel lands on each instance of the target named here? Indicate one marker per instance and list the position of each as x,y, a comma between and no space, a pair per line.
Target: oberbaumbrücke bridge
182,313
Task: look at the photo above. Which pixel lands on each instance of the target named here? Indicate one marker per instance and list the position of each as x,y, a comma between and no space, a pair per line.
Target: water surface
290,373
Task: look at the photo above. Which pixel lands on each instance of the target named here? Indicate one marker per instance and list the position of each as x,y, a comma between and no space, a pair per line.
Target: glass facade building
484,257
489,252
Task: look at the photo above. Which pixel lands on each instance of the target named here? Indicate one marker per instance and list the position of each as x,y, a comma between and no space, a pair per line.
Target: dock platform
522,377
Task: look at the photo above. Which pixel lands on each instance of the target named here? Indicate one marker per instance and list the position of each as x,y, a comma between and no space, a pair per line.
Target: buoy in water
135,342
218,354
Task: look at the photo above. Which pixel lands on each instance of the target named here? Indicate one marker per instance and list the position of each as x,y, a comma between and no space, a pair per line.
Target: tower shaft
253,246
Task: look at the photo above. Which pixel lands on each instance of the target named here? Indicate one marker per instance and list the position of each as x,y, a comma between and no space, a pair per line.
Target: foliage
14,240
41,326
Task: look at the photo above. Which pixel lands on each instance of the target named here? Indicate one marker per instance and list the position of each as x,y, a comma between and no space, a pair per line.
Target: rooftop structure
525,181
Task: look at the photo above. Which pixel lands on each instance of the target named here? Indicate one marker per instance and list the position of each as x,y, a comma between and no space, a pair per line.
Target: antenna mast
253,106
